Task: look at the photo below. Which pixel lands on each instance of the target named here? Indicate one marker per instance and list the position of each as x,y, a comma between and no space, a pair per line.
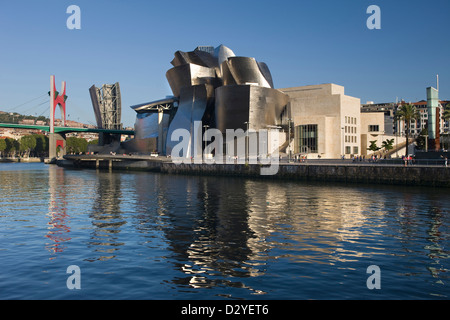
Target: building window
374,128
348,150
355,150
307,140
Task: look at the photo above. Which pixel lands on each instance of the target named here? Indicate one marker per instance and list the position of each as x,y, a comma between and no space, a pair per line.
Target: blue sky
302,42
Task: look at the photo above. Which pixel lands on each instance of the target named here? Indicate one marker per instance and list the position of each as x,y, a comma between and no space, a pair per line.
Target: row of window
349,129
351,139
348,150
350,120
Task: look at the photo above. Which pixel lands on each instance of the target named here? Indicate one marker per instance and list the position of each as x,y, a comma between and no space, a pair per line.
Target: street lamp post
246,143
289,137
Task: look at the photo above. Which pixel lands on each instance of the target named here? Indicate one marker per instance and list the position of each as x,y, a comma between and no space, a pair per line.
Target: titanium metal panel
266,106
232,107
237,104
223,53
190,75
245,71
146,125
197,57
266,73
227,77
194,102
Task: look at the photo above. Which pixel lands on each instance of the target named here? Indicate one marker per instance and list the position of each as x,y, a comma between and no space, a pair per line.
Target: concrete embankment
437,176
18,159
394,174
113,162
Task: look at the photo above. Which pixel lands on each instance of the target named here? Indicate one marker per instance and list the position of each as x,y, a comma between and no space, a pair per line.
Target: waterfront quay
393,171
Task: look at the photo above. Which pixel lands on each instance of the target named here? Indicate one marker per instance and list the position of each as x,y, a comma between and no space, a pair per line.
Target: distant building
399,127
388,109
27,121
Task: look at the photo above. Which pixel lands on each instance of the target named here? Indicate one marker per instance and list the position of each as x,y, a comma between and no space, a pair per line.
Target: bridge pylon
57,141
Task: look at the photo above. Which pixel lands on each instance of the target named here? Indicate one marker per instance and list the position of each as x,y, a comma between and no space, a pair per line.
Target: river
142,235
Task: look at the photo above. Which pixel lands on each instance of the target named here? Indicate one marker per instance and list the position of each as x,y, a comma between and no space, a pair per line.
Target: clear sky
302,42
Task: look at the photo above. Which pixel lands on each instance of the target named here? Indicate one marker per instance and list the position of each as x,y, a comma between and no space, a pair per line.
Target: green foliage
16,117
27,144
407,113
373,146
388,144
12,146
76,145
93,142
446,114
41,144
35,145
420,140
2,145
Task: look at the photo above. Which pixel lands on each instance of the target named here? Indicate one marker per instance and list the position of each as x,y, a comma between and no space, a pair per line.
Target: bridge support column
56,145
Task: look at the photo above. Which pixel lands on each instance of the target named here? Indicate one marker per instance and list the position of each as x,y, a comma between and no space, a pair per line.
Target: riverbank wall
375,173
18,159
435,176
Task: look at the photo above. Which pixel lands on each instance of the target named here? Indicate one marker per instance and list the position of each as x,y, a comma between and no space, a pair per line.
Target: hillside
13,117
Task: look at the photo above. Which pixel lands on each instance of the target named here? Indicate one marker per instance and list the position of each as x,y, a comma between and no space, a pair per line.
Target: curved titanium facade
147,125
221,90
189,75
237,104
246,71
194,102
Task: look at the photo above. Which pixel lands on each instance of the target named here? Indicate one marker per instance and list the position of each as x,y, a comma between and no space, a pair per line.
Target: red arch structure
57,99
55,139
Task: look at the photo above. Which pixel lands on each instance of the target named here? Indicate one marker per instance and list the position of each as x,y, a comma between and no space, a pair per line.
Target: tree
388,144
76,145
41,144
420,141
12,146
446,114
407,113
2,146
93,142
27,144
373,146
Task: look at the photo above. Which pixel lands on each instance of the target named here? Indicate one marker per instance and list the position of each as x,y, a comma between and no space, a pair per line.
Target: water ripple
146,236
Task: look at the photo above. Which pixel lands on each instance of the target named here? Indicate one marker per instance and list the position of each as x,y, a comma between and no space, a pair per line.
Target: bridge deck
64,129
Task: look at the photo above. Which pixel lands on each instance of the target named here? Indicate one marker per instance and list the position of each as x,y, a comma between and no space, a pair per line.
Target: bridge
65,130
57,134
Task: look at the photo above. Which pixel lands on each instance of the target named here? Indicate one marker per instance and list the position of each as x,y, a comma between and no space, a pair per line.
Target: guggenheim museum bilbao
216,91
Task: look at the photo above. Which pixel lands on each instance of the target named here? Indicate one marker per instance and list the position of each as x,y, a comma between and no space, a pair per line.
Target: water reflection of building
106,216
225,229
